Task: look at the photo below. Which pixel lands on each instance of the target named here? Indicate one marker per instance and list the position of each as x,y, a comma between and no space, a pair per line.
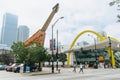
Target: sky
79,15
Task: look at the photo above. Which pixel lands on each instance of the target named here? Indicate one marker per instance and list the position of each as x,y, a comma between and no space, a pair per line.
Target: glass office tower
9,29
23,33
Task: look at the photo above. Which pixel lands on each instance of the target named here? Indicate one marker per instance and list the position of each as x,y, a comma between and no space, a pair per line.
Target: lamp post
95,49
52,42
57,52
94,40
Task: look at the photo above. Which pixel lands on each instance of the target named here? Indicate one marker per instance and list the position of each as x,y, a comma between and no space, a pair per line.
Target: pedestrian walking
81,68
74,67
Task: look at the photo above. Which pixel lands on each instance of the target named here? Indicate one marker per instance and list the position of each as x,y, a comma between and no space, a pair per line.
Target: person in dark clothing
24,67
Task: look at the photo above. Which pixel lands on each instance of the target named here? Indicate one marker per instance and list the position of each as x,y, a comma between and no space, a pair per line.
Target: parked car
10,68
33,67
2,67
17,68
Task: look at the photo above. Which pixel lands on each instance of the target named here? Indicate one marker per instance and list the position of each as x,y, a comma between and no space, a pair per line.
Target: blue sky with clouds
78,15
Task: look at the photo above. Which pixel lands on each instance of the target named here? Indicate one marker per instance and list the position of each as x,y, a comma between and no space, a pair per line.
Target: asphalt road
65,74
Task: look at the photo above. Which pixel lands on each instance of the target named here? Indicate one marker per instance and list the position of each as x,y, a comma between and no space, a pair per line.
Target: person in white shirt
74,66
81,68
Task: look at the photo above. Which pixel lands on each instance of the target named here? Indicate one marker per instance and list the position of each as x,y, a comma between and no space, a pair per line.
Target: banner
54,44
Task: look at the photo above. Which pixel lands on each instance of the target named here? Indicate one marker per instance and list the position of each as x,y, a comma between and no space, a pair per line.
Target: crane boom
39,36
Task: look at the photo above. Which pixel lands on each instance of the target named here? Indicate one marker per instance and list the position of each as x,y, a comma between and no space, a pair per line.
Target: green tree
40,55
62,58
118,17
116,2
6,58
49,56
20,51
30,58
31,54
54,57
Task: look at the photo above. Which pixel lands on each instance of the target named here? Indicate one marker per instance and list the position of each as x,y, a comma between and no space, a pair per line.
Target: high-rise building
103,33
23,33
9,29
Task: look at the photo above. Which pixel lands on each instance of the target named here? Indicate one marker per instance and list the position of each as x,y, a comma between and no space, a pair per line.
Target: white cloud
113,30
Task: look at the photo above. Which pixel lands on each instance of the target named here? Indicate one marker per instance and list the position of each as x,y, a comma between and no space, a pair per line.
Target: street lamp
95,49
94,40
52,42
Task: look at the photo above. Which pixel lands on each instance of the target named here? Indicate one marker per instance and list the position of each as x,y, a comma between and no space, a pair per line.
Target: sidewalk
45,71
65,74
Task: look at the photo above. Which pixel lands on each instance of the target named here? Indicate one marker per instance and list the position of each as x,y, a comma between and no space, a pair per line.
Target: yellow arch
114,39
101,39
97,34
